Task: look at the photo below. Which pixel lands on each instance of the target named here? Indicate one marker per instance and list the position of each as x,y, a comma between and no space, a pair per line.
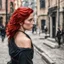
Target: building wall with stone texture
53,6
3,11
62,13
42,14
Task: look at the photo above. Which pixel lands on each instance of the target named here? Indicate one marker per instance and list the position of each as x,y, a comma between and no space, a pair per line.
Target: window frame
42,3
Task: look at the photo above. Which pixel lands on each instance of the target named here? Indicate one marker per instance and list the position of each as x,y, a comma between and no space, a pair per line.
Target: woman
19,43
59,37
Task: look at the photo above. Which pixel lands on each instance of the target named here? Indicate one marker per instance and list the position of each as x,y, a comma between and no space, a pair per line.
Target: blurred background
48,16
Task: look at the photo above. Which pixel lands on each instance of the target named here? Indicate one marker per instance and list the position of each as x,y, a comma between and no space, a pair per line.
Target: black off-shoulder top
20,55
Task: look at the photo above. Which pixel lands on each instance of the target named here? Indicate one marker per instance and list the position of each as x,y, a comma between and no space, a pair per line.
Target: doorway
42,25
53,26
1,20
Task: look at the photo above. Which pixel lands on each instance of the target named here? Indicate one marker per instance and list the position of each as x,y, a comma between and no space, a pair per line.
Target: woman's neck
22,29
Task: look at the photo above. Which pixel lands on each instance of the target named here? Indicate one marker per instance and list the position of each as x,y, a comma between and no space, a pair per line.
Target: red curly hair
17,17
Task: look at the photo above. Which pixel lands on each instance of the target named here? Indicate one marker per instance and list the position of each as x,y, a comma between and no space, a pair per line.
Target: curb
50,44
52,40
38,48
45,56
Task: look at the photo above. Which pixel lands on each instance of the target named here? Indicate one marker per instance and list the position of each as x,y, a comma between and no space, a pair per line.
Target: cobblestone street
4,57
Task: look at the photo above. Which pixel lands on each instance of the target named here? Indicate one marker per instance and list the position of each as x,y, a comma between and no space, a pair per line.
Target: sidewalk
56,55
4,55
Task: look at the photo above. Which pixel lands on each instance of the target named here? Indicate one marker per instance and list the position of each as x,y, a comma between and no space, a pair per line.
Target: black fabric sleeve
22,59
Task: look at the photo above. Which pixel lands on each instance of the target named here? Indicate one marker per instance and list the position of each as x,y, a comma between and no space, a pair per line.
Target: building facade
42,17
62,13
52,15
3,11
14,4
55,16
7,7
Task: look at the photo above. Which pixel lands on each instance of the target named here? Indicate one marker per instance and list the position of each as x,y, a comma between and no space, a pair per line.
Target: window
0,4
42,3
11,7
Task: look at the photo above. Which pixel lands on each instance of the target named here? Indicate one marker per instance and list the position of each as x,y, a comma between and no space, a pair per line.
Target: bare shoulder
22,41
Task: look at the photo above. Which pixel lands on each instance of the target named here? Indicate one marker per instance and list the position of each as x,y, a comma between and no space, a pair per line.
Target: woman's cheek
28,24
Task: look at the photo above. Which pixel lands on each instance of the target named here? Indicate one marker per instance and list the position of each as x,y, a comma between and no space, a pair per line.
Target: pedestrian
59,37
62,31
3,32
0,29
20,44
45,29
62,35
33,28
